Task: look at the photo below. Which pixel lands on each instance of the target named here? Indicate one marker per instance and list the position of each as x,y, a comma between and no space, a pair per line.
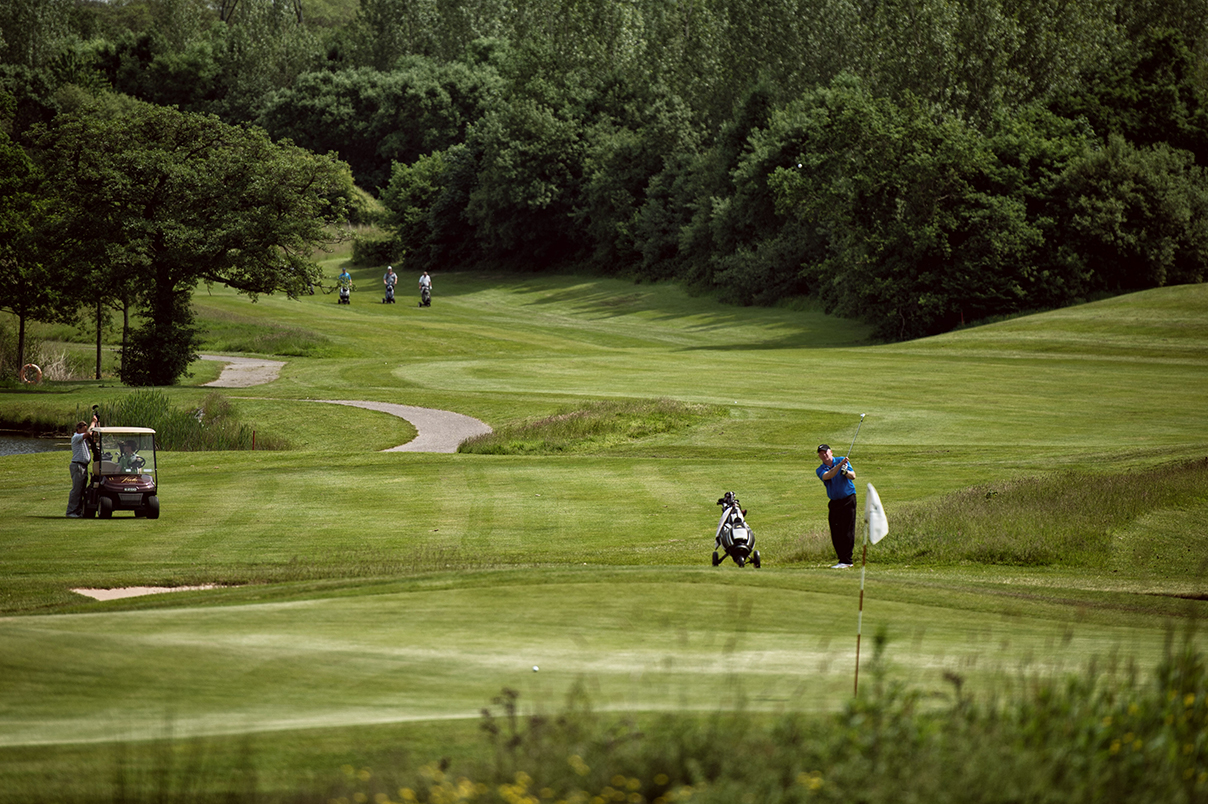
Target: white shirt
79,448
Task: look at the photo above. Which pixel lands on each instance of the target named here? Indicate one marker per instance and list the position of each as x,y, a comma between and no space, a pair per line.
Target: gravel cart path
438,430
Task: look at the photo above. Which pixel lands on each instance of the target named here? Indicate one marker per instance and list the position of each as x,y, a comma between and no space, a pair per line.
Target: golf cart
123,473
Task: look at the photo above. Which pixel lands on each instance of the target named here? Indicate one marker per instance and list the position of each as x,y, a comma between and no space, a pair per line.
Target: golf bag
389,295
734,537
425,296
345,295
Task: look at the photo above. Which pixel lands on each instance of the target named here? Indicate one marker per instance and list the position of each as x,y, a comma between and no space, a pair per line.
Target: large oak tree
179,198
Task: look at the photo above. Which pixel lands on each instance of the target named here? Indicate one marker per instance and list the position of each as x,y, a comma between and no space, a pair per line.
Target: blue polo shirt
838,487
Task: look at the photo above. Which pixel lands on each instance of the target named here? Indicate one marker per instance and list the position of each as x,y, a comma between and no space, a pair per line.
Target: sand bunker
136,591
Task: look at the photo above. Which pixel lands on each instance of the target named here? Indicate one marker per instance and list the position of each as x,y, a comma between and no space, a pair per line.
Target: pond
13,444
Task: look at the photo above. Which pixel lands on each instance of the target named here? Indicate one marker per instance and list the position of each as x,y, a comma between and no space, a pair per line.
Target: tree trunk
20,343
98,338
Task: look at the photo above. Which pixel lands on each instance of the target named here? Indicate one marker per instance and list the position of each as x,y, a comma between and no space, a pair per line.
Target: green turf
373,588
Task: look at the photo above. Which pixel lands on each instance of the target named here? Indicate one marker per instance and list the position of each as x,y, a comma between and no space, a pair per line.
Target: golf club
853,438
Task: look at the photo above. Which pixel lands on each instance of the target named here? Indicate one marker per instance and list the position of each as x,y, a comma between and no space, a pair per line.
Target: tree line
914,163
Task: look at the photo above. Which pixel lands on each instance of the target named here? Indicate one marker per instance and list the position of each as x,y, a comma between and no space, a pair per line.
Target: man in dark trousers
81,456
837,475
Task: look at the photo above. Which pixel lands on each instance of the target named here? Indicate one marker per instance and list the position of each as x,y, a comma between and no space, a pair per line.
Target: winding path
436,430
244,372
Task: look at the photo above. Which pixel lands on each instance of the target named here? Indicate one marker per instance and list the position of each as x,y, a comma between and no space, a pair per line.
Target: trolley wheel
716,560
755,559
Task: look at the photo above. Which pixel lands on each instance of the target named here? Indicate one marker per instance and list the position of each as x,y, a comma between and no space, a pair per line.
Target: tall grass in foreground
1068,519
597,426
1108,734
213,426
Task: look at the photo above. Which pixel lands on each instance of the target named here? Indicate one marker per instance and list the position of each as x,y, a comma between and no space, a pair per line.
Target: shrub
368,250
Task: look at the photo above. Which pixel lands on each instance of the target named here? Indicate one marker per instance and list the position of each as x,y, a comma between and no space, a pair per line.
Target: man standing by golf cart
81,456
837,475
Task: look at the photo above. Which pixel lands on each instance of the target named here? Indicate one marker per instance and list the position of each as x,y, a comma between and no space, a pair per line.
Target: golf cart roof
123,430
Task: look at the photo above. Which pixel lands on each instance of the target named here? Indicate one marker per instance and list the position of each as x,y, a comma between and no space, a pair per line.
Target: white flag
878,525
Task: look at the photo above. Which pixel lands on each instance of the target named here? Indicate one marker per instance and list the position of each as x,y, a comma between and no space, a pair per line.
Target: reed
213,426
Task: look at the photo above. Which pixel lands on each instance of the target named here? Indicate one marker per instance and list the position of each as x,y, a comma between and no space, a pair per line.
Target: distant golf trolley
123,473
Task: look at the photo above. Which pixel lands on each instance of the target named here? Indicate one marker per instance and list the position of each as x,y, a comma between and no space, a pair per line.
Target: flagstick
860,617
872,510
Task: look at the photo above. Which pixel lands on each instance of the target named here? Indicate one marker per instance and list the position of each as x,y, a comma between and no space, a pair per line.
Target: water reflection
23,445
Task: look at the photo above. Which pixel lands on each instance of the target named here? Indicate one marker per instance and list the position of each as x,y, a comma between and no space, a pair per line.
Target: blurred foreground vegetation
918,166
1113,733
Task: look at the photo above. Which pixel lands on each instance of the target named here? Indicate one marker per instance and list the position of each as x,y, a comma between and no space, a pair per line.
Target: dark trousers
79,485
842,517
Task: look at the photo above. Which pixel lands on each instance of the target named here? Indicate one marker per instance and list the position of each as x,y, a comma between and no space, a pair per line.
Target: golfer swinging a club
837,475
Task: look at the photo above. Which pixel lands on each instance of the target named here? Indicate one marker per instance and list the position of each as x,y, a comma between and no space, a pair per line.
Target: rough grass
595,427
1074,518
1070,518
212,426
228,332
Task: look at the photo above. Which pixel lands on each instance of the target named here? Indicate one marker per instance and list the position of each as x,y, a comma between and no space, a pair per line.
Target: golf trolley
734,536
425,296
389,299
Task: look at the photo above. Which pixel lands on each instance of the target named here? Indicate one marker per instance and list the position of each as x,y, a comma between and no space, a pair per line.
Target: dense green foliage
915,164
159,200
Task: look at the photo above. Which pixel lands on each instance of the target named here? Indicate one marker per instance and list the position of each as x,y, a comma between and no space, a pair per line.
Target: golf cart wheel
716,560
152,507
740,561
755,559
105,508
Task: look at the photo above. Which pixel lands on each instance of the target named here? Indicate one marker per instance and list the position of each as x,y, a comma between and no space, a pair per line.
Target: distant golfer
837,475
425,290
81,456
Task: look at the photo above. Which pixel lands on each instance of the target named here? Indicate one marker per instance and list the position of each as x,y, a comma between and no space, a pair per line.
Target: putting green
442,647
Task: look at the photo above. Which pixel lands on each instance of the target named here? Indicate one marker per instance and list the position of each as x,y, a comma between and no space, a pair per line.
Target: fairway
368,587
